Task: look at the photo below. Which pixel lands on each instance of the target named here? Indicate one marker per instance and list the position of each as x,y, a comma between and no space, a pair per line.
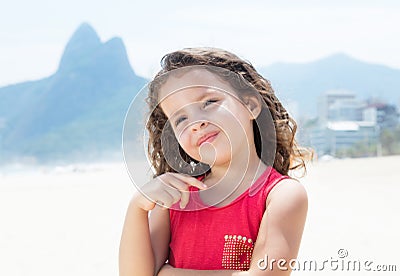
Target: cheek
232,122
237,130
185,142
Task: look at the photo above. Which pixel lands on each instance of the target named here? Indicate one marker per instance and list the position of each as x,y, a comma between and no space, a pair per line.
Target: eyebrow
198,99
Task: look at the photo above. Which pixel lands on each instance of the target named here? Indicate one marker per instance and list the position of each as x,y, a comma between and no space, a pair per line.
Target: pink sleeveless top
220,237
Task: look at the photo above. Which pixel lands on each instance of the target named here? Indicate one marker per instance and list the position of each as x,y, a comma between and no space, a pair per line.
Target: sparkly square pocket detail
237,252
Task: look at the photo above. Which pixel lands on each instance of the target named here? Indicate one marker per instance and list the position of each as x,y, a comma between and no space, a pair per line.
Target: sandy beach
68,220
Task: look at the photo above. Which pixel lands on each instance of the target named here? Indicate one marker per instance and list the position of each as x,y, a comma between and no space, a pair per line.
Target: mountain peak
84,41
87,31
338,57
87,56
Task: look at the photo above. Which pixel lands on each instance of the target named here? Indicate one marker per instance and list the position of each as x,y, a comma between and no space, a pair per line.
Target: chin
221,162
212,158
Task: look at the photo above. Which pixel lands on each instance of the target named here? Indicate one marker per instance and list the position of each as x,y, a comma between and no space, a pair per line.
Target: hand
166,190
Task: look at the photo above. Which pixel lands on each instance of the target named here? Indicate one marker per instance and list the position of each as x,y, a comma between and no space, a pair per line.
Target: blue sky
33,34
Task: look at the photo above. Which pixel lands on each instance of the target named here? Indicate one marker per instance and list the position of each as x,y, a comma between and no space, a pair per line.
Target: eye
210,101
179,120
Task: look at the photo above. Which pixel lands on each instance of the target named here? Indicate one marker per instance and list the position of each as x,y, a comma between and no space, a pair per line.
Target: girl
219,142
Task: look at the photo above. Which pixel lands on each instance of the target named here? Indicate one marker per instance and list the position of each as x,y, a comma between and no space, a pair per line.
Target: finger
181,196
164,200
173,187
178,189
172,182
173,191
190,180
184,199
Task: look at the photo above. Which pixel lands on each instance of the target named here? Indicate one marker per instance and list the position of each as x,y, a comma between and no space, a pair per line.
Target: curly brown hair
287,154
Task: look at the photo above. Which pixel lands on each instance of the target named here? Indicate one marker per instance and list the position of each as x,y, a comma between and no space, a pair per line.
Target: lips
209,137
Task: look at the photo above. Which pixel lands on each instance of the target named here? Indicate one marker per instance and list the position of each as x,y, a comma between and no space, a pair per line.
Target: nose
198,125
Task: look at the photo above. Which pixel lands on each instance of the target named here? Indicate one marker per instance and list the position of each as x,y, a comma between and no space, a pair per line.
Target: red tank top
220,237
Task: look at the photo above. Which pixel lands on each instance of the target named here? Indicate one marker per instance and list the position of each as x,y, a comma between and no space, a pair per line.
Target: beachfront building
337,136
385,115
343,121
339,105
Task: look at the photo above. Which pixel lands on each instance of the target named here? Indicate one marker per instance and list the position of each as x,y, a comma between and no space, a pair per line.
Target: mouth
207,138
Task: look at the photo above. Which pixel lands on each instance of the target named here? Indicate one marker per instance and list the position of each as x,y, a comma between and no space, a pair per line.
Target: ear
253,105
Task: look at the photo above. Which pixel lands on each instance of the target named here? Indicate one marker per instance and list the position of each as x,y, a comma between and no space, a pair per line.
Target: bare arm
135,252
160,235
281,229
144,242
279,235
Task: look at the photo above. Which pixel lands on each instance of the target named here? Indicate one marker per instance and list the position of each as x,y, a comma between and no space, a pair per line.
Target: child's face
209,121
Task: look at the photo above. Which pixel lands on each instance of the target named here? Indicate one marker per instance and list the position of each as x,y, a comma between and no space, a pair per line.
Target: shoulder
287,195
283,222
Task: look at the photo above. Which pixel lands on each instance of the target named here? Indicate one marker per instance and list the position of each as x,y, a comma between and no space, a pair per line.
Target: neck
227,181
